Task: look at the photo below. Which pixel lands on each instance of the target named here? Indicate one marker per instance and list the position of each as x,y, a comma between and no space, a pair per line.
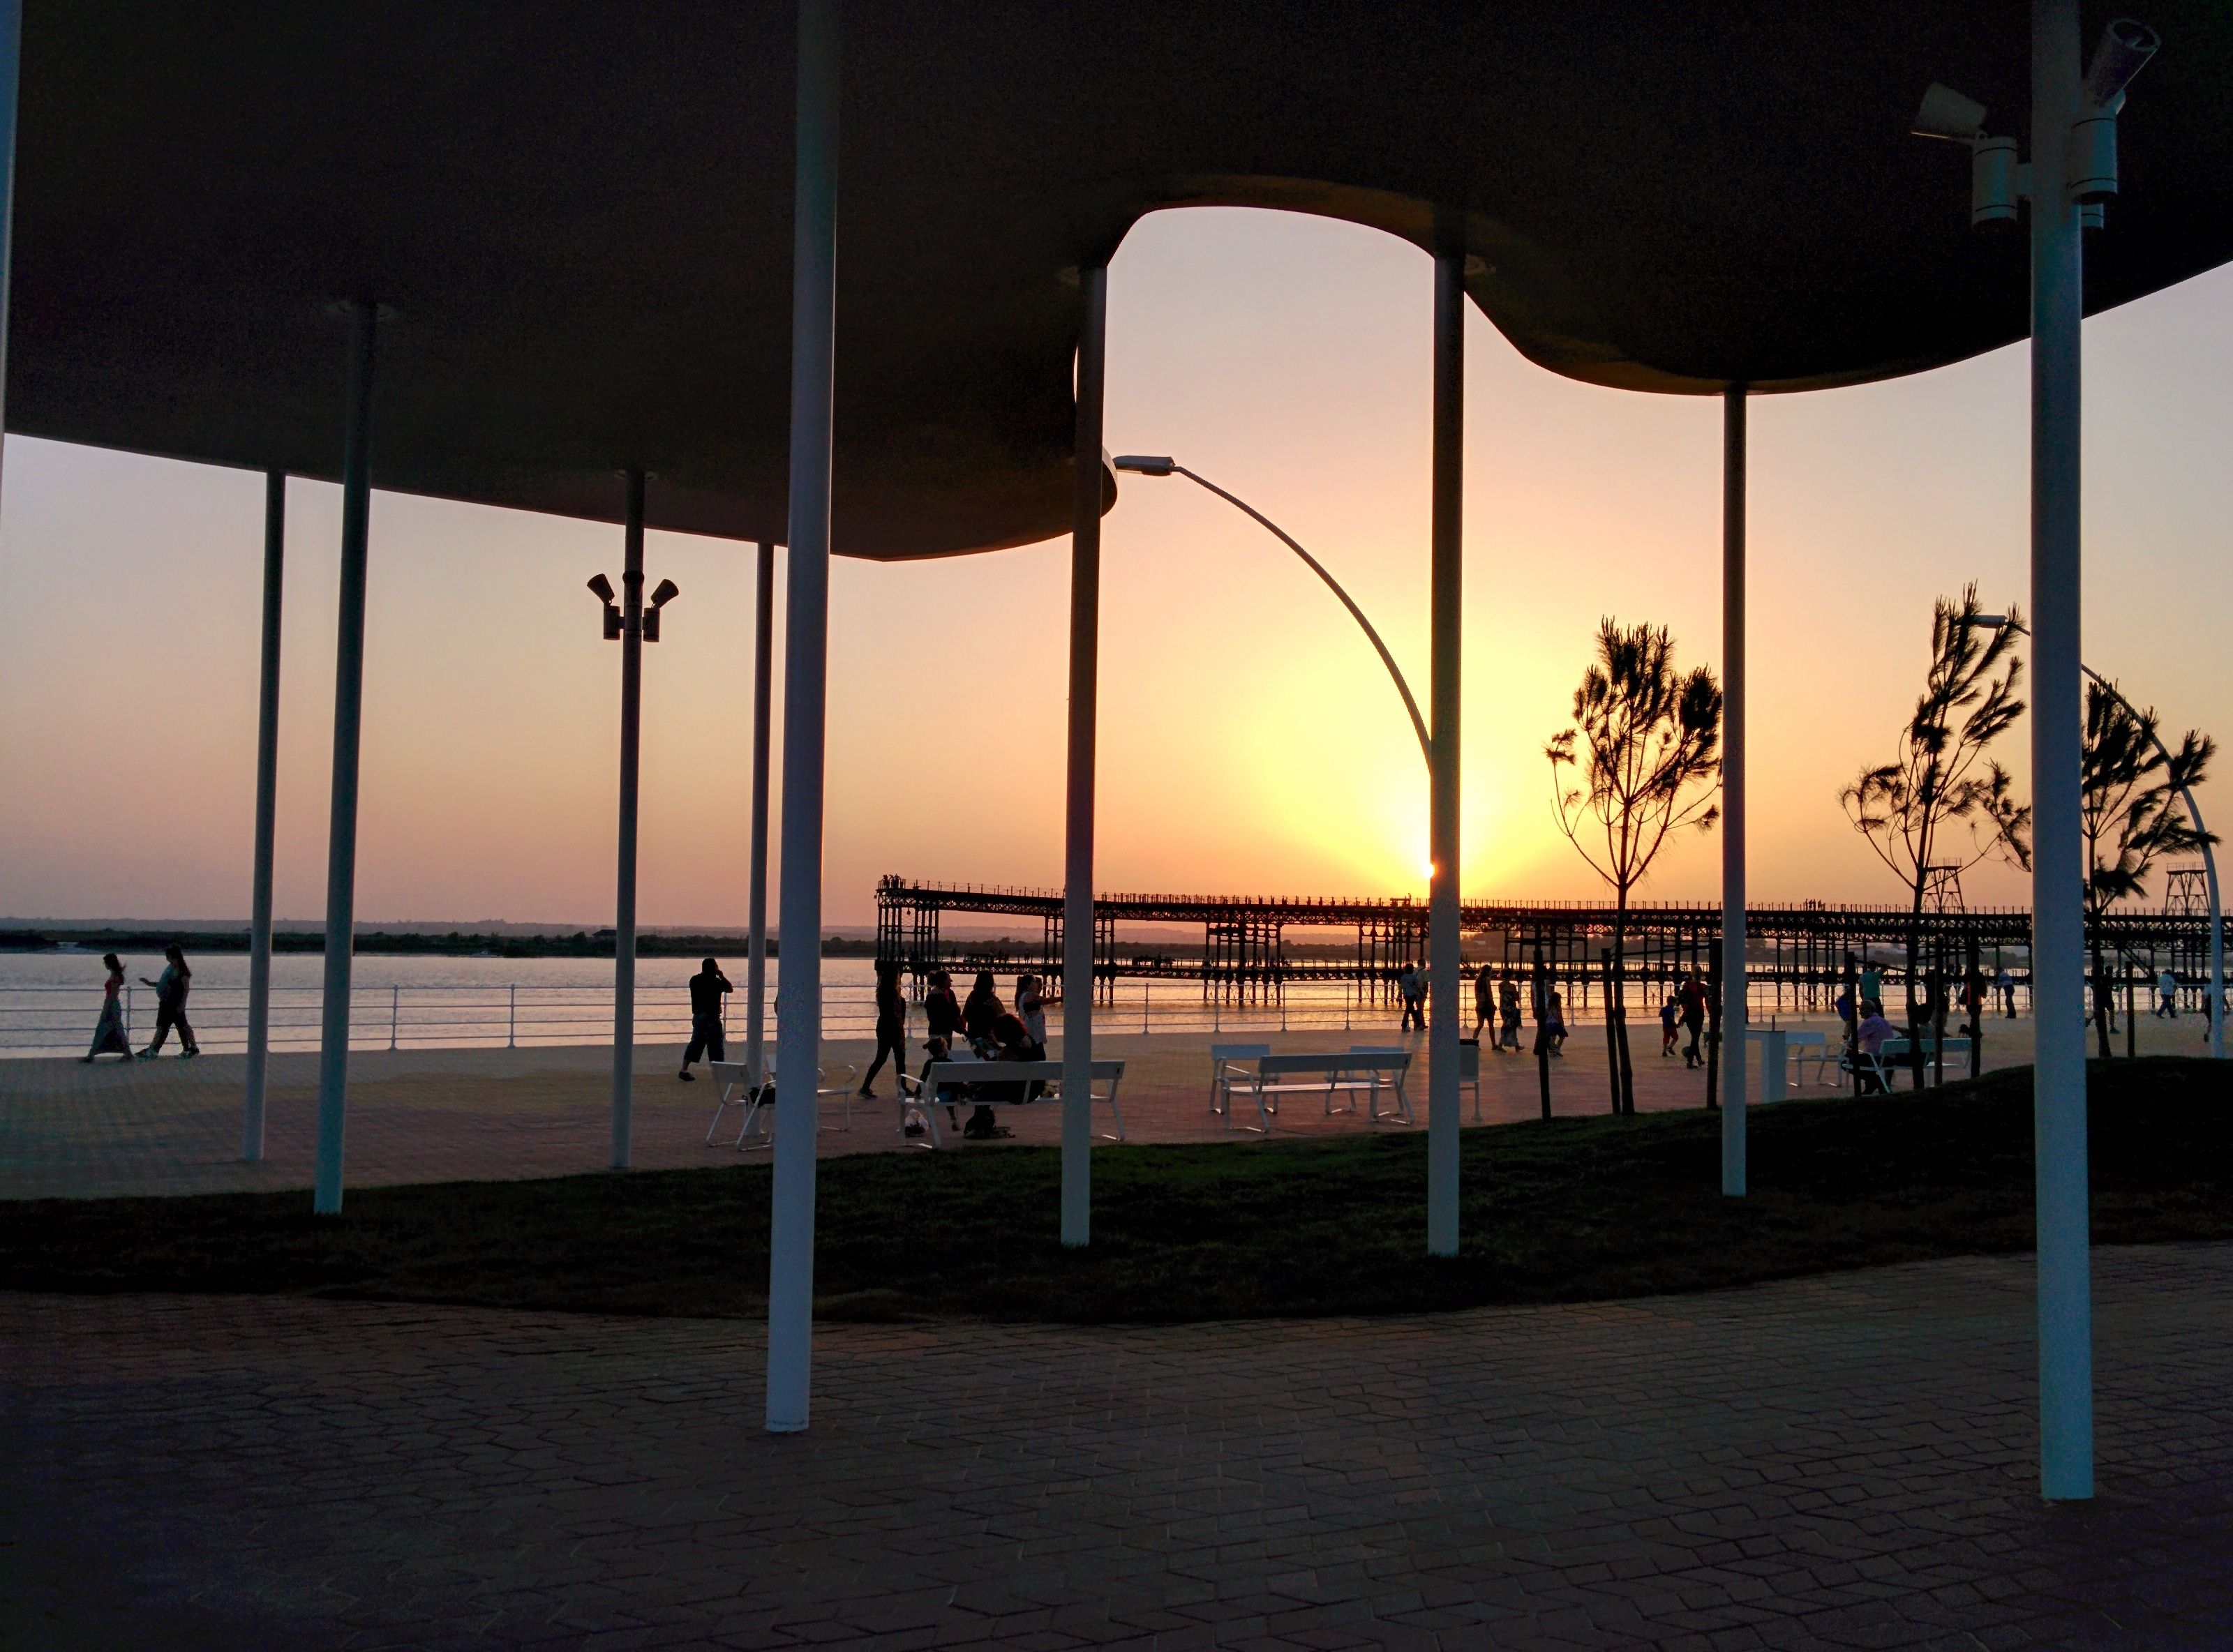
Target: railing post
395,1014
512,1018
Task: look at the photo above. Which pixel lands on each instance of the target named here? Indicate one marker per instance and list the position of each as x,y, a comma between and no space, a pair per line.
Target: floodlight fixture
1998,181
603,586
665,592
1946,114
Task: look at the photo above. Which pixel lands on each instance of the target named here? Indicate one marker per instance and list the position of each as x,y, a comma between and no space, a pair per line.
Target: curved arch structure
580,212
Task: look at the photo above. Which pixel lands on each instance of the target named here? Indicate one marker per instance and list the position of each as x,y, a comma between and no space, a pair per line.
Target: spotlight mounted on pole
616,623
1997,180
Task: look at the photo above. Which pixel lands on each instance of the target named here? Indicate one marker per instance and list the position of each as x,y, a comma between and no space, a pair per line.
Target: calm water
49,1001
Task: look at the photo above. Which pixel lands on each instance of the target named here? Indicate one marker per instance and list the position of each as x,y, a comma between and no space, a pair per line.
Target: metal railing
58,1020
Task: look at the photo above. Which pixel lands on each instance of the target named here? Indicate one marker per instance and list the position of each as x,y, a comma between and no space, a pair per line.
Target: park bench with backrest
1350,1074
1228,1064
736,1089
1897,1057
1010,1083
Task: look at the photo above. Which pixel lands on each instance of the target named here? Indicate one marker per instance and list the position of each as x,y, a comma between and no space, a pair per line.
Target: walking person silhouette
111,1036
171,1005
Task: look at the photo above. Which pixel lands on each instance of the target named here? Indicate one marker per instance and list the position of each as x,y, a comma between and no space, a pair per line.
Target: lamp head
603,586
1946,114
665,592
2126,45
1146,465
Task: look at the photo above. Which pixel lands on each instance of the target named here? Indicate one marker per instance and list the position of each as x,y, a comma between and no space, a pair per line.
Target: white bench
1353,1073
919,1096
1801,1046
1226,1066
737,1090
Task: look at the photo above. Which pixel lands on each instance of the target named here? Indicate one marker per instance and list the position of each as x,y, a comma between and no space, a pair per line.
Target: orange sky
1249,740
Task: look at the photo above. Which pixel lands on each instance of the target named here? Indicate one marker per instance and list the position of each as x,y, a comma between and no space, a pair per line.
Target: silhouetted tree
1941,779
1646,739
2132,814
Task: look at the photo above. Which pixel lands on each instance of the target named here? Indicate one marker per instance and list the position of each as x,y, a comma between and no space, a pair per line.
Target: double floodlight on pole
1997,180
616,623
1163,464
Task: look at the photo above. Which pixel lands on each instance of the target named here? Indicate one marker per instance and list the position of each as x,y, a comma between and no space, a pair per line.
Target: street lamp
1144,464
1996,621
631,624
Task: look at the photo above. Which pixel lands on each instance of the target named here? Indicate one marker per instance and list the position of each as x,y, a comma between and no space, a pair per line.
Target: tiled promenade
1841,1463
432,1116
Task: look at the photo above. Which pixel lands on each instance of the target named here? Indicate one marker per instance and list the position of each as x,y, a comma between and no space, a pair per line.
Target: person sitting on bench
1874,1031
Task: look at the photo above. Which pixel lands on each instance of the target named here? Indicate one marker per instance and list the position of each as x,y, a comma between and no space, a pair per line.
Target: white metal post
1733,792
1078,833
267,803
806,641
624,896
2066,1330
348,724
756,911
11,54
1444,680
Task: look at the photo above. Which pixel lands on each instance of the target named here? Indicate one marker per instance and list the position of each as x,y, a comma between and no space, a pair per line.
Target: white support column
1084,710
1733,1042
11,54
2065,1311
267,802
1444,680
348,725
763,686
805,687
624,895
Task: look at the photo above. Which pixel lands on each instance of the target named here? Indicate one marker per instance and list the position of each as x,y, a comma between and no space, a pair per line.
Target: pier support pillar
755,909
1077,831
267,803
2065,1311
1444,984
806,691
348,725
1734,1041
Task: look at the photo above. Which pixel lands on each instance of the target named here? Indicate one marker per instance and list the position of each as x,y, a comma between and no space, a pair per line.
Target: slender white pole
1084,709
348,724
1732,791
624,896
763,684
806,644
2066,1329
267,801
11,54
1444,680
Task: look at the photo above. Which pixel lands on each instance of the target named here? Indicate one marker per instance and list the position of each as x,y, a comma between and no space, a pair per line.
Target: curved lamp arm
1166,467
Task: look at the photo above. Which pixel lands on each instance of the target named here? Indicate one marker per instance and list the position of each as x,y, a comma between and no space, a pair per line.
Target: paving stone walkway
1838,1462
415,1116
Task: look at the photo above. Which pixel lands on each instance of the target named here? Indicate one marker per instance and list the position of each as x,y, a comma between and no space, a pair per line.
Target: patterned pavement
1838,1462
174,1127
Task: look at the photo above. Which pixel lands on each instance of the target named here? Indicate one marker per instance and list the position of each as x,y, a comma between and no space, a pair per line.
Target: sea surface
49,1001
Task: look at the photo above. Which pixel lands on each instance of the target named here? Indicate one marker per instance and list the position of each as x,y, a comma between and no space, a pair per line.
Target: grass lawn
1569,1210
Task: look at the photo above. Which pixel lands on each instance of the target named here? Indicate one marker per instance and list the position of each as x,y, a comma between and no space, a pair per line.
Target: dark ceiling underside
581,215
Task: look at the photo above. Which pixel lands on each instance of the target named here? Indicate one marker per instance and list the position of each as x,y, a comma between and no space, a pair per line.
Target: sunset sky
1249,743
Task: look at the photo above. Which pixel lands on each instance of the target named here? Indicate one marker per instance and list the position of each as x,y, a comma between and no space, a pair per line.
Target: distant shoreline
454,943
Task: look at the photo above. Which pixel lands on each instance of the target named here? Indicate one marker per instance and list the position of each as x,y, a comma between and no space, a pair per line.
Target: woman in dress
110,1036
